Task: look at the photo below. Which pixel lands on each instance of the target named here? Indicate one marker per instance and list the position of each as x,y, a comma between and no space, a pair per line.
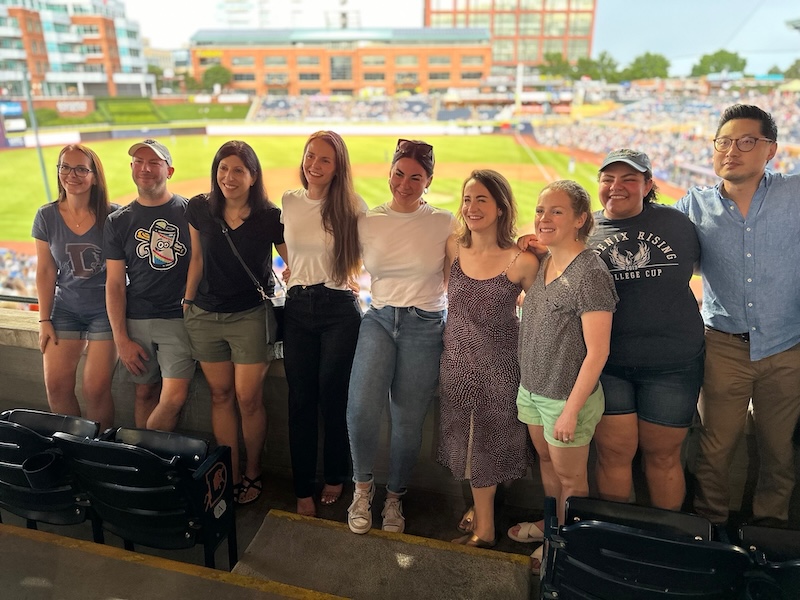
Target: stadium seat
156,489
590,559
776,553
33,482
658,520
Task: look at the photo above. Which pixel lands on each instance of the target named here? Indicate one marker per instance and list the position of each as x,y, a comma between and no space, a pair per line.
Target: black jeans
320,335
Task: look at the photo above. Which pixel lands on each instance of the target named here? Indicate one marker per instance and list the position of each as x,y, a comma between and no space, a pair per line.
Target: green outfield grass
24,192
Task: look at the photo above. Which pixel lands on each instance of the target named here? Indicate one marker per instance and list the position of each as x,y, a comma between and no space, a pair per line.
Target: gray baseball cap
160,150
638,160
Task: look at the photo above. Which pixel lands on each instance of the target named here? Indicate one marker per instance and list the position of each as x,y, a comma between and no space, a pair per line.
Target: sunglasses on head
417,149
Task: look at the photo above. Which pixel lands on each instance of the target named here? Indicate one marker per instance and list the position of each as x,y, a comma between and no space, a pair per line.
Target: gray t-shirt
551,346
81,278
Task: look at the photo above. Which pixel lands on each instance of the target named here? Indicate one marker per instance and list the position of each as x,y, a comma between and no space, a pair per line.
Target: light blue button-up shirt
751,265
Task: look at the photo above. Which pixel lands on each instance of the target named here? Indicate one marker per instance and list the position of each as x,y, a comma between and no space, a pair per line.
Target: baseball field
528,169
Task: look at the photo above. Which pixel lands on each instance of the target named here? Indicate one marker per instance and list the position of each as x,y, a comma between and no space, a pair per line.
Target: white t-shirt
404,254
308,244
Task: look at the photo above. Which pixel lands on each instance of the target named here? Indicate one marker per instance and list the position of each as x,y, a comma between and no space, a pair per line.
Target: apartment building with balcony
71,48
345,61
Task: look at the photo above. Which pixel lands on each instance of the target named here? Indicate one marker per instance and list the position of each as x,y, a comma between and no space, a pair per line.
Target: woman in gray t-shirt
70,284
563,345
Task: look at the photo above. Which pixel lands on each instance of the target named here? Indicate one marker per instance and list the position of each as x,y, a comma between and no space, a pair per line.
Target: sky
681,30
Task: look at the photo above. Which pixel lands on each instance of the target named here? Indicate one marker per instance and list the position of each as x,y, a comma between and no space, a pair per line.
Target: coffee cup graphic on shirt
160,245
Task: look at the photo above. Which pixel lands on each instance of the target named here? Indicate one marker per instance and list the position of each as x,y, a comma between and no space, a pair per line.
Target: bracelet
45,320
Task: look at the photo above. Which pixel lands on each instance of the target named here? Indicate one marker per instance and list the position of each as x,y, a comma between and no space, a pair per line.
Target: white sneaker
359,514
393,519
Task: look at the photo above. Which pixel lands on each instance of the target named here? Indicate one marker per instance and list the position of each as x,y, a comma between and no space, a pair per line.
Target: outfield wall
408,130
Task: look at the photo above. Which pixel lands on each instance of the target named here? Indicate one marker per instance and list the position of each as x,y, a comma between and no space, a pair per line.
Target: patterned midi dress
480,437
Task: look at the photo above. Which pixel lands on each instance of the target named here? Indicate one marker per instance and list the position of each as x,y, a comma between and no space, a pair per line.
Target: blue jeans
320,334
397,357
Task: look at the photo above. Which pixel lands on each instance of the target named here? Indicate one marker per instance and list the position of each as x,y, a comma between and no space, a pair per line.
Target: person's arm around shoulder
531,243
524,270
130,353
46,273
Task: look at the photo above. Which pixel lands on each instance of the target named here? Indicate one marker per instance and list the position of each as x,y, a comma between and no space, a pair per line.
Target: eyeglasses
416,149
80,171
744,144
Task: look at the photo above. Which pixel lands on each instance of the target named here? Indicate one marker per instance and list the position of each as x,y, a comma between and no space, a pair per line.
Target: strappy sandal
528,533
331,494
247,485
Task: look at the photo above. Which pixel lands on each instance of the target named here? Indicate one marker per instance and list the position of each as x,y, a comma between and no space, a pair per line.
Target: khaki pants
731,381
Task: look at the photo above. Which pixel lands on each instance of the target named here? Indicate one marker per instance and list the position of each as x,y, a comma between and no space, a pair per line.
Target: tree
793,72
555,64
605,68
216,75
720,61
647,66
158,72
775,70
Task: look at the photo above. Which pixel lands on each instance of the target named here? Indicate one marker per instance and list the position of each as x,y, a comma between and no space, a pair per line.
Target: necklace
75,218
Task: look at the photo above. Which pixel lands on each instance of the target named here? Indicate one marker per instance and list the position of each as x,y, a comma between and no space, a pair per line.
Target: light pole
35,128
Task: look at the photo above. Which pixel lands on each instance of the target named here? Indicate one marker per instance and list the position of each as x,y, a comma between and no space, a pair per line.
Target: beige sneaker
392,514
359,514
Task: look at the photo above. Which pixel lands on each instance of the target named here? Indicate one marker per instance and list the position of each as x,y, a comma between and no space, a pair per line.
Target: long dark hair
98,196
339,209
257,198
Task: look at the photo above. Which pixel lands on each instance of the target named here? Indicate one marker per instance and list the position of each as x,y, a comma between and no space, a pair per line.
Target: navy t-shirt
155,245
651,257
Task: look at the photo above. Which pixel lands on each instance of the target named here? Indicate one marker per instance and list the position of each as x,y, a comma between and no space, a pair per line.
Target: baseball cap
638,160
160,150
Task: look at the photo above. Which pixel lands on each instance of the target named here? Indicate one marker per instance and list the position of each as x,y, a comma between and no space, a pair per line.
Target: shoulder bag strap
253,278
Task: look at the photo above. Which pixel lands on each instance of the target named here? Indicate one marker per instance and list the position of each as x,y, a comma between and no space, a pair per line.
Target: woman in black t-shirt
654,371
223,310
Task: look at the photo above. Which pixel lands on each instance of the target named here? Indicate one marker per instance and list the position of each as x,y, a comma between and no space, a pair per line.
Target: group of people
610,347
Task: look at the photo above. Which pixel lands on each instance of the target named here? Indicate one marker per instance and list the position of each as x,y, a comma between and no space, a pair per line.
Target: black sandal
245,487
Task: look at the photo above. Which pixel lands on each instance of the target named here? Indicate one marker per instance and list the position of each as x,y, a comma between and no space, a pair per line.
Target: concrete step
325,556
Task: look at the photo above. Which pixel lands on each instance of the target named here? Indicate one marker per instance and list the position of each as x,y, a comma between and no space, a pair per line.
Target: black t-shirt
225,285
154,243
651,257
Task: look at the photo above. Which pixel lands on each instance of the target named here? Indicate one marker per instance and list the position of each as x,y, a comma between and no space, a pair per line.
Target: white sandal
528,533
537,557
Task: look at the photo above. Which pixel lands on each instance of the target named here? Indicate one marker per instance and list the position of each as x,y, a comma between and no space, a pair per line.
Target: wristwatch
186,302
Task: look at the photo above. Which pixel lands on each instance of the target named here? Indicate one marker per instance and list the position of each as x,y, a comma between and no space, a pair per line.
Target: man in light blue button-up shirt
749,231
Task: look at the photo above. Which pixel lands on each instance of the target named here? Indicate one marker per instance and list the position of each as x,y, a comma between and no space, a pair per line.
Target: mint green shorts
539,410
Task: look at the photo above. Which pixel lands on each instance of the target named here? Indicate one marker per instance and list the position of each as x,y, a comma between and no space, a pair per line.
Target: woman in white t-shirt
322,314
400,341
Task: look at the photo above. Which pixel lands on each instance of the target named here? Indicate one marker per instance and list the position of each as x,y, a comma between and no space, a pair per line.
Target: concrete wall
22,385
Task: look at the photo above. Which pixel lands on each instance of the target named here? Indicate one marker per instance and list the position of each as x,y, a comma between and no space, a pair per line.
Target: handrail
20,299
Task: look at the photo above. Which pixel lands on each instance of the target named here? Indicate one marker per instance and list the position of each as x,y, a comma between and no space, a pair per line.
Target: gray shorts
167,344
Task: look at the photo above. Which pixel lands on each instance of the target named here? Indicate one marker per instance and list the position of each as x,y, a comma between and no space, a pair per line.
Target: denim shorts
534,409
660,395
87,326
